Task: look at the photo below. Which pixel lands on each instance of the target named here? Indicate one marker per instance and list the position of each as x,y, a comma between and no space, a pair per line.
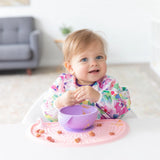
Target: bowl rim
80,115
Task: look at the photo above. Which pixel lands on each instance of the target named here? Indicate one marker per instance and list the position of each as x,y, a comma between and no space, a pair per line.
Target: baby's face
90,65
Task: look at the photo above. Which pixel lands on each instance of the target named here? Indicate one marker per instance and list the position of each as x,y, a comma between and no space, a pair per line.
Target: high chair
34,112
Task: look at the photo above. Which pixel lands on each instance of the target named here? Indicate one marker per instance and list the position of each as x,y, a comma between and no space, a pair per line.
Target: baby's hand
86,92
67,99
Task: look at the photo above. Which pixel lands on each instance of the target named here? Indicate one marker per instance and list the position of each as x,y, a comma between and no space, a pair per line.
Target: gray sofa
19,44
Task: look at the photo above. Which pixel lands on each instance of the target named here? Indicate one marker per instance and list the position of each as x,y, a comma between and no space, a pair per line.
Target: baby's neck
80,83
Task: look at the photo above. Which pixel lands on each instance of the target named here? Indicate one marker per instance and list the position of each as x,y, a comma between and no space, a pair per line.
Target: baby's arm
57,98
50,112
114,101
49,109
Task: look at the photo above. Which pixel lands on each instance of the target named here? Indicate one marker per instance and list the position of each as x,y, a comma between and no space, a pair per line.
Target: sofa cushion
15,30
15,52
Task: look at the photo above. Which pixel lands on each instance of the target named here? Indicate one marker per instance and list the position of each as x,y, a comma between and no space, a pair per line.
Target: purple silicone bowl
77,117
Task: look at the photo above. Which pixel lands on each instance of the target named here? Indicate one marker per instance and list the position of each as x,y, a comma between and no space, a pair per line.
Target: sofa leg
29,71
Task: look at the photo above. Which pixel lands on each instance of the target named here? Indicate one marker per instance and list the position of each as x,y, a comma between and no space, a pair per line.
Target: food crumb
49,138
111,133
77,140
41,131
91,133
99,124
59,132
38,135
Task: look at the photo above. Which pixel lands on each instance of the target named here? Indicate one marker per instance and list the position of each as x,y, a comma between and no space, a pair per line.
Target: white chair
129,115
34,112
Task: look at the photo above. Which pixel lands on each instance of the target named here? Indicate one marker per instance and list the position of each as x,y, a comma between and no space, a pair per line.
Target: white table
142,143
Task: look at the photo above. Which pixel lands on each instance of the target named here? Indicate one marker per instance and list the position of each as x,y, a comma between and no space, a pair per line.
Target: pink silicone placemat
103,131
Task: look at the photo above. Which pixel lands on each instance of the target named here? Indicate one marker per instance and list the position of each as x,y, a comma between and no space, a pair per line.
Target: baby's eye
99,57
84,60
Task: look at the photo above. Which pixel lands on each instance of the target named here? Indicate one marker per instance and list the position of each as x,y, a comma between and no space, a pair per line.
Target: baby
86,82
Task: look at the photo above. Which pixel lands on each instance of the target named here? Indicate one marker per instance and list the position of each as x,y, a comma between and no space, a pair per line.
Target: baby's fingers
76,94
79,91
71,102
80,96
80,99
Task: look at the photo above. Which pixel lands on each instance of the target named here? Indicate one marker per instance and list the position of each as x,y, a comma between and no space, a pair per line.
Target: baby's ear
69,68
105,57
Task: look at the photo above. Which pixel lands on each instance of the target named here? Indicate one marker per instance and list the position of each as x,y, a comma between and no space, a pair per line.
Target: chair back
16,30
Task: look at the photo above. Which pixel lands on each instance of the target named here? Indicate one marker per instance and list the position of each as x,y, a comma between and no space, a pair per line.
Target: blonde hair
78,41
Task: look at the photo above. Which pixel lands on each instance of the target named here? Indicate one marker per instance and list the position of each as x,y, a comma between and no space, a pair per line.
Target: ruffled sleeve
114,101
49,109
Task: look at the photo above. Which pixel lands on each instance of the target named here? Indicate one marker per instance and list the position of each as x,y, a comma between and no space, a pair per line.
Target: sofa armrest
35,44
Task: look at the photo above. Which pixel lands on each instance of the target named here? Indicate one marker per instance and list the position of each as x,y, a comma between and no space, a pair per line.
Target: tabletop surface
142,142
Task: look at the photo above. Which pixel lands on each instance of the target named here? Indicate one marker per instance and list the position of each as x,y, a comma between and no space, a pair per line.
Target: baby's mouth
94,71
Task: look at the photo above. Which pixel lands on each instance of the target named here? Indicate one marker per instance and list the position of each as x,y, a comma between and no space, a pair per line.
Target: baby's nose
93,62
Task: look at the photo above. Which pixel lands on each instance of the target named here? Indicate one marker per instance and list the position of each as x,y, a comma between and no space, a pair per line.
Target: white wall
124,23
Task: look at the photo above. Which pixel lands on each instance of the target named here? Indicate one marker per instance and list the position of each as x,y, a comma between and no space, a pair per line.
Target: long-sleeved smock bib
114,100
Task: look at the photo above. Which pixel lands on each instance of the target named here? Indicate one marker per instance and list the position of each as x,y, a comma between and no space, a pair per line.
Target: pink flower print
54,87
106,81
100,85
62,88
68,76
62,77
119,109
112,92
112,83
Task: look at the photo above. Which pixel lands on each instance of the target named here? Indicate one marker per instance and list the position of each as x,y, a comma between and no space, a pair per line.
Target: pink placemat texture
103,131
